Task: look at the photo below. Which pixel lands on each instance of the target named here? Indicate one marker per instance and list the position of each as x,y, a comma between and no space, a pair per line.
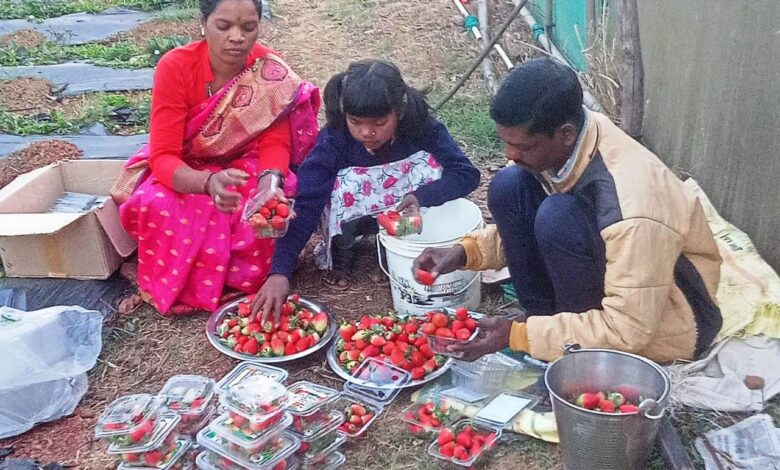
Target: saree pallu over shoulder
261,94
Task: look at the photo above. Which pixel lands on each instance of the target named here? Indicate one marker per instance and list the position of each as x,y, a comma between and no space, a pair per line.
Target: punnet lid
188,394
166,423
183,445
126,414
377,381
248,369
225,427
255,396
307,397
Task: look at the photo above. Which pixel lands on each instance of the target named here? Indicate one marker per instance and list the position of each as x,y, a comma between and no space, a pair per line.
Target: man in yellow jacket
605,246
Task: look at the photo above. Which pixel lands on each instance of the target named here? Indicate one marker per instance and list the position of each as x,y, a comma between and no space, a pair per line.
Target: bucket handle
648,405
400,286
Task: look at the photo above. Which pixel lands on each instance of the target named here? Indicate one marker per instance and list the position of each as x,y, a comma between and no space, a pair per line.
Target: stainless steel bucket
591,440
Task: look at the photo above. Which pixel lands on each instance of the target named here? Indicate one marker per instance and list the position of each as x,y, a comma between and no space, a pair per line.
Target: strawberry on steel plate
305,327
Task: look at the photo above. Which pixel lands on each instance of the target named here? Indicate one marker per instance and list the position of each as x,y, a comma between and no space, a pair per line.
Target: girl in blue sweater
379,149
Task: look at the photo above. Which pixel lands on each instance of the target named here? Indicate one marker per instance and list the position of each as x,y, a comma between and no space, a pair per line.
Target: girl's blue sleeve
459,176
316,176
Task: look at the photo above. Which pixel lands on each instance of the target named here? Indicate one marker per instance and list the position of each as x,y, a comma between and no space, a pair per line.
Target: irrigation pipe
478,35
484,27
485,51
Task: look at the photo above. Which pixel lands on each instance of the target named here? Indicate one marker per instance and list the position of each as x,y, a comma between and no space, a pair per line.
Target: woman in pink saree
181,196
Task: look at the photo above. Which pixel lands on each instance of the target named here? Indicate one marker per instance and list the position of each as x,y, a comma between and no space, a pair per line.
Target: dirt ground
23,38
142,349
34,156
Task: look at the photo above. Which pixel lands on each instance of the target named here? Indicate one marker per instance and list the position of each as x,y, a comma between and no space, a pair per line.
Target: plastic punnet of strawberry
241,431
129,420
171,457
388,338
444,329
191,428
256,397
316,424
207,460
188,395
246,370
157,449
463,442
307,397
429,416
280,447
358,415
624,399
318,449
298,330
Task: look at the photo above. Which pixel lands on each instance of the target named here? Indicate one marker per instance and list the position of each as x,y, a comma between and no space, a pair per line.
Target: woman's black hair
207,7
375,88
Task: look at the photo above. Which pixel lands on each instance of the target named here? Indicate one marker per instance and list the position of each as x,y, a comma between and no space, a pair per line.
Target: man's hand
493,336
221,187
408,202
440,260
270,298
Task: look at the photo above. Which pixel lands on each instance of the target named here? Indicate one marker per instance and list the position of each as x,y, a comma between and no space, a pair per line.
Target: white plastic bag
45,357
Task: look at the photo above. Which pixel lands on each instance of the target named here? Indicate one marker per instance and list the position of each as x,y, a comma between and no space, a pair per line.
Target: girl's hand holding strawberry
221,187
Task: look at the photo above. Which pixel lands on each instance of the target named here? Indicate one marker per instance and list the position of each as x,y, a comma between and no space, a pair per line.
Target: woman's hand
221,187
441,260
493,336
408,202
270,183
270,298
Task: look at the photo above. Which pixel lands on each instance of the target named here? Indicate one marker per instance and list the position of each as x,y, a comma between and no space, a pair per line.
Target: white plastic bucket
443,226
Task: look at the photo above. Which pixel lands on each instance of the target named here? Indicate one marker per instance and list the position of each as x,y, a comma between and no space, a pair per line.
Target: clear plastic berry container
272,225
333,461
207,460
191,428
129,420
251,441
188,395
318,450
491,437
277,449
317,424
353,406
179,459
158,450
429,416
307,397
246,371
256,397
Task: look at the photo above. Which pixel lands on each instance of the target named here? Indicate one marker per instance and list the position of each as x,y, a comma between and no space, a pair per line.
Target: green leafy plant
157,47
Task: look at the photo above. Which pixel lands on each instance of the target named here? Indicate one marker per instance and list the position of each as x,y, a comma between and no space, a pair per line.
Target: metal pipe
484,27
547,44
548,18
478,36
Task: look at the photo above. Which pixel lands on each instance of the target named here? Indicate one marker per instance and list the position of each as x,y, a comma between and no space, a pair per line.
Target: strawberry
378,341
471,324
606,406
361,335
369,351
463,334
448,449
460,453
444,332
251,346
445,436
289,349
347,331
388,348
397,357
617,398
628,408
366,418
464,439
282,210
425,278
320,322
439,320
457,325
425,349
303,344
271,203
360,345
153,458
293,337
277,347
356,420
142,430
410,328
278,223
386,223
476,449
589,401
418,373
357,409
461,314
429,366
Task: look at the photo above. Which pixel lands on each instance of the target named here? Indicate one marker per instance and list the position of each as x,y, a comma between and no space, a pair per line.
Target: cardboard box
85,245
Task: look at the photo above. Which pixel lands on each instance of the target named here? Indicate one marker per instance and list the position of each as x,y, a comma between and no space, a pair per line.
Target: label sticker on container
463,394
503,409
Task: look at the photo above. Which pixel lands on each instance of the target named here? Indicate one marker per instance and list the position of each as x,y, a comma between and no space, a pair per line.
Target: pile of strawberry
464,445
398,224
388,338
427,417
270,221
610,402
459,326
298,330
356,418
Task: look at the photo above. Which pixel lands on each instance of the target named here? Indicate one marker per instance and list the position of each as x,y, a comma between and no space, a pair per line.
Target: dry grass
602,78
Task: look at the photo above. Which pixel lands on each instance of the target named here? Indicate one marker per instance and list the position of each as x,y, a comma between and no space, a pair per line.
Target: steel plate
216,318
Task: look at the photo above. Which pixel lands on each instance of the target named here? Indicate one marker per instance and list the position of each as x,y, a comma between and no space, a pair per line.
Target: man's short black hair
540,94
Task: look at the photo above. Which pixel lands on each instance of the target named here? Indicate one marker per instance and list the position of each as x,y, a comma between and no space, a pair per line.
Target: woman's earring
202,31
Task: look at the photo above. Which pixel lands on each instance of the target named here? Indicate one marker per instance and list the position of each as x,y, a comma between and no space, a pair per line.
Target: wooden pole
630,69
